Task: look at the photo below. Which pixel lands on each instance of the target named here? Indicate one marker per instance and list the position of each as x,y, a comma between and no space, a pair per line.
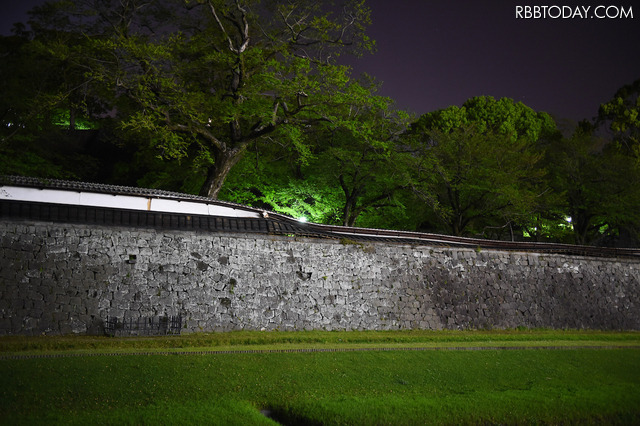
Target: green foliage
58,155
478,166
45,106
622,113
21,163
594,177
224,75
359,154
333,171
66,120
488,115
44,84
23,111
275,181
245,100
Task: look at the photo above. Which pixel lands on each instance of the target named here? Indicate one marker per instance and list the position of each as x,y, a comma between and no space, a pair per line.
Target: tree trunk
72,118
454,224
217,173
349,215
350,211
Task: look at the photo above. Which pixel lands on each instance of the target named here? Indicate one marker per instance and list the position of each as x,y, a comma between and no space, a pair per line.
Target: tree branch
198,130
243,29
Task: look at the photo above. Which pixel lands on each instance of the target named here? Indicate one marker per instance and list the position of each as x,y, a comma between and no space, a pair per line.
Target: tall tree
217,75
360,155
478,166
622,114
354,165
599,183
487,114
43,101
478,180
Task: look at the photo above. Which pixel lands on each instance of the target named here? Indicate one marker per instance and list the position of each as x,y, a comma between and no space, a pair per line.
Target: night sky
436,53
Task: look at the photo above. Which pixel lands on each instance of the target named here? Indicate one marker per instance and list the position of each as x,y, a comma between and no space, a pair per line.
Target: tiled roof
69,185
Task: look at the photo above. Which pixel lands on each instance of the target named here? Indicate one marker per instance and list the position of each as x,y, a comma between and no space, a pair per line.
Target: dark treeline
248,101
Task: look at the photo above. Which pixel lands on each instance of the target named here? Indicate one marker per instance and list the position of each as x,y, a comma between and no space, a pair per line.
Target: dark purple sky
437,53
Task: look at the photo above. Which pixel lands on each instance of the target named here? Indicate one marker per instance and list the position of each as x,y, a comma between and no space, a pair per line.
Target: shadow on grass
287,418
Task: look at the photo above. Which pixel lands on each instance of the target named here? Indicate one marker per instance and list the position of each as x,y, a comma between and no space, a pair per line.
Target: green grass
570,385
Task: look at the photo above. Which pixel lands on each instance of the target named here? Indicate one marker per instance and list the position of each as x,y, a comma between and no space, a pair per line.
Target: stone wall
62,278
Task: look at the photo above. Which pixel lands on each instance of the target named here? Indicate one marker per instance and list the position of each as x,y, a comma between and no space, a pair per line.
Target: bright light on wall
302,219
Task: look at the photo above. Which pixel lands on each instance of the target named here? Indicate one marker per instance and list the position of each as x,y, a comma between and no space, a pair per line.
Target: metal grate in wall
155,326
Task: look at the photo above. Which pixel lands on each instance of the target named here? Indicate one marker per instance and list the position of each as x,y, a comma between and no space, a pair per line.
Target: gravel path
311,350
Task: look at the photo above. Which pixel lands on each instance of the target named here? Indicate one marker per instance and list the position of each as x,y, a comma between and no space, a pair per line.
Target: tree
599,183
478,180
500,116
598,169
273,178
39,113
217,75
353,166
28,78
622,113
360,154
478,165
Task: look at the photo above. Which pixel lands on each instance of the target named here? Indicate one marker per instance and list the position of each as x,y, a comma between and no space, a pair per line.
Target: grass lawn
575,383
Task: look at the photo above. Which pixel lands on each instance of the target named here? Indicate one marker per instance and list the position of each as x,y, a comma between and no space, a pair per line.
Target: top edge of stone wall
365,246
